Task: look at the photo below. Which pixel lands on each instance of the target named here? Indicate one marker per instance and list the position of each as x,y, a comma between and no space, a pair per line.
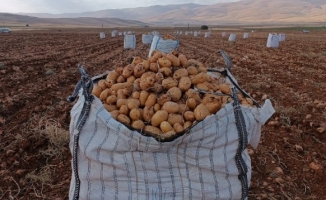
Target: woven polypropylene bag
129,42
162,45
113,162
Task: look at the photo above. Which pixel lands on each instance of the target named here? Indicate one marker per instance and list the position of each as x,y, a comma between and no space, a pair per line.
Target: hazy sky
73,6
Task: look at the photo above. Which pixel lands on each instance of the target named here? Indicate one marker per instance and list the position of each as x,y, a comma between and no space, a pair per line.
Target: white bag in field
245,35
195,33
223,34
120,33
111,161
232,37
206,34
147,39
102,35
129,42
162,45
113,34
281,37
272,41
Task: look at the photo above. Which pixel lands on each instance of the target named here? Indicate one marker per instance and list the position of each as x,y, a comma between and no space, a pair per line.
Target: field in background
38,71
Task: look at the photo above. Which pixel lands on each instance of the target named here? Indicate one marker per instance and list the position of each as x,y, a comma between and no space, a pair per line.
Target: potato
198,78
175,118
154,67
120,94
114,113
101,84
146,75
133,103
124,110
191,103
189,116
137,60
166,127
171,107
184,84
139,70
127,91
212,86
110,108
121,102
136,85
104,94
187,125
165,71
213,107
131,79
191,93
121,79
159,77
202,69
155,56
163,98
225,88
112,99
173,59
250,102
195,63
169,83
109,83
175,94
97,90
147,83
159,117
138,124
226,99
127,71
208,98
178,74
192,70
123,119
143,97
146,64
157,107
157,88
202,86
151,100
201,112
183,60
118,86
112,75
148,113
135,95
152,129
178,127
119,70
134,114
183,108
164,62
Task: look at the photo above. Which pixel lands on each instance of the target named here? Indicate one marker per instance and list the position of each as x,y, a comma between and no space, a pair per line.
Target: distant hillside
245,11
81,21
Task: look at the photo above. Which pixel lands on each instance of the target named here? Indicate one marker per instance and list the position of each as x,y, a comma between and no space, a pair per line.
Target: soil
38,71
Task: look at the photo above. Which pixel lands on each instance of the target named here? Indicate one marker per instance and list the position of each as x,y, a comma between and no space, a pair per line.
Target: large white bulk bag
180,32
206,35
195,33
156,33
124,32
272,41
102,35
113,34
120,33
223,34
186,33
162,45
245,35
147,39
232,37
110,161
129,42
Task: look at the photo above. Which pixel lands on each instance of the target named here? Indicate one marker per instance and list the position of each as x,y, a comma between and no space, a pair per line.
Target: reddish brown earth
38,71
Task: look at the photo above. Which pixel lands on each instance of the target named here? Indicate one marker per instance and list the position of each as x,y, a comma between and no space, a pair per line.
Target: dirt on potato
38,71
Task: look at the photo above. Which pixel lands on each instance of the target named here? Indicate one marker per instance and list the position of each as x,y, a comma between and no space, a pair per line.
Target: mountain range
242,12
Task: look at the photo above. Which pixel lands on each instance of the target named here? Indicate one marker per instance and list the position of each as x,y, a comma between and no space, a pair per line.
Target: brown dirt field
38,71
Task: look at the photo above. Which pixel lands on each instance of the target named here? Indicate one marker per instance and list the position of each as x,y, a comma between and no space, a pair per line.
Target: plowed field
38,71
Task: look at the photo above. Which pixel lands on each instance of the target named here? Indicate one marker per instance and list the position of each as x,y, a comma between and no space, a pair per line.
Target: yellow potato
164,62
115,114
187,125
154,67
213,107
135,95
135,114
123,119
175,118
121,79
192,70
201,112
173,59
189,116
110,108
183,108
133,103
178,127
198,78
184,84
148,113
121,102
151,100
225,88
112,99
138,124
157,107
183,60
101,84
152,129
143,97
169,83
163,98
104,94
112,75
166,127
127,71
178,74
191,103
137,60
158,117
139,70
124,110
165,71
175,93
171,107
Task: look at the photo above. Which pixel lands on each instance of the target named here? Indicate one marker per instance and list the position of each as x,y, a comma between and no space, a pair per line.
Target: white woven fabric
129,42
117,163
162,45
147,39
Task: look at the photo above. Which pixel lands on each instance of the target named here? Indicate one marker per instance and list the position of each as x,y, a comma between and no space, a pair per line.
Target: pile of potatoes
160,95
